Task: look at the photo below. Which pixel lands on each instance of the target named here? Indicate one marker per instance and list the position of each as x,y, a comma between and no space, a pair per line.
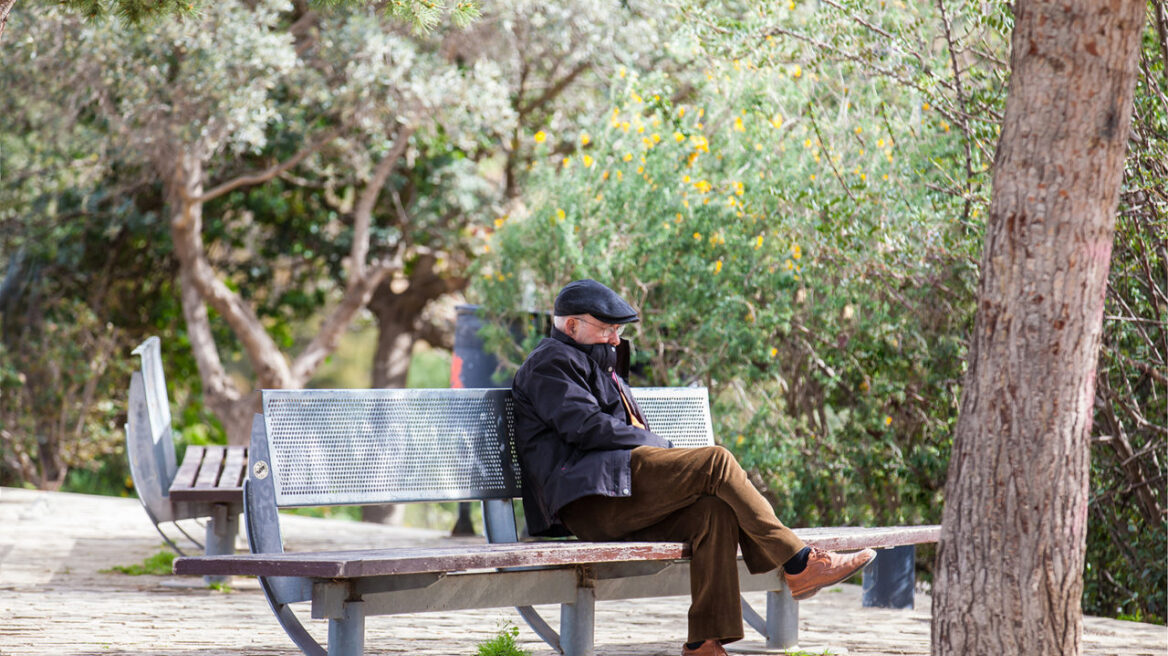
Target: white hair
561,322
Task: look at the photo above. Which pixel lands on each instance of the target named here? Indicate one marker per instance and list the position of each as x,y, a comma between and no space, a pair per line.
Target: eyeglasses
605,331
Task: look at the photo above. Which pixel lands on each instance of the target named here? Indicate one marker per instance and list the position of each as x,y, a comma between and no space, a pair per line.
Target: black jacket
571,428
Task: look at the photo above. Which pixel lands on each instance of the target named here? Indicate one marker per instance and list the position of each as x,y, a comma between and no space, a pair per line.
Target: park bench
208,484
352,447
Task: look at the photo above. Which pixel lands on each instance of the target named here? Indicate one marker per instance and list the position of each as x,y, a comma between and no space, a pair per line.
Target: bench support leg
346,635
782,620
576,623
221,531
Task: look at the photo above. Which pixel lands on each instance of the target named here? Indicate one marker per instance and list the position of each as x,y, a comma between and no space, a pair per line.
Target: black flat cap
590,297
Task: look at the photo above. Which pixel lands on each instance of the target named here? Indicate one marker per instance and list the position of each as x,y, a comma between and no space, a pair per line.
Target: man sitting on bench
592,467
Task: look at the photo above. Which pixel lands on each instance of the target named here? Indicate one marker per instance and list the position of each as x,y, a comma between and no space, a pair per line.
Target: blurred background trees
792,194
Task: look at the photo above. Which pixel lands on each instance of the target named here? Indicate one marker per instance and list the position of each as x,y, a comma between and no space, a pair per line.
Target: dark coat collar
608,357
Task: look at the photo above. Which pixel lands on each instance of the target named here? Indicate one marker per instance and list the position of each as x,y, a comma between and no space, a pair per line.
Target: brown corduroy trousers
701,496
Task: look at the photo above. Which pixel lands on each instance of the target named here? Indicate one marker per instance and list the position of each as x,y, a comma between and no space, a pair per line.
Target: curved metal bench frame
150,446
206,486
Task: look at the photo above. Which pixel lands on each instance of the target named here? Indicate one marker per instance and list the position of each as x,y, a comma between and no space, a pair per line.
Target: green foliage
134,12
109,475
82,256
351,513
503,644
429,368
826,301
159,564
53,414
425,15
437,516
784,247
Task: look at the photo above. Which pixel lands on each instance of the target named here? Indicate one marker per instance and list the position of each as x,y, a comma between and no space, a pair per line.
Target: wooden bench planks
209,469
211,474
847,538
417,560
234,468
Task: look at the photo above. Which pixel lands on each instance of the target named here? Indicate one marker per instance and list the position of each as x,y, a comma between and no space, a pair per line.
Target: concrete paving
58,597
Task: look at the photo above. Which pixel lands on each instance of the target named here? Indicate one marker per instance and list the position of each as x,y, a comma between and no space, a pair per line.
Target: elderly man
593,467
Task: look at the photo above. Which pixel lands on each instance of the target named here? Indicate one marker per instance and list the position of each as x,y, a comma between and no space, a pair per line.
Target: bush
826,313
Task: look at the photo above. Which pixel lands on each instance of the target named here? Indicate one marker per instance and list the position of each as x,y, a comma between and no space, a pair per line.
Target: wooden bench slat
185,477
210,467
416,560
229,496
205,481
234,468
844,538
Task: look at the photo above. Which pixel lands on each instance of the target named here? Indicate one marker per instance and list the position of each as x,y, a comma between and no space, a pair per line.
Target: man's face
587,329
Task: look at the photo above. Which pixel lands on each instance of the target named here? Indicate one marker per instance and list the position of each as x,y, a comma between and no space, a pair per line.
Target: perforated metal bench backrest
337,447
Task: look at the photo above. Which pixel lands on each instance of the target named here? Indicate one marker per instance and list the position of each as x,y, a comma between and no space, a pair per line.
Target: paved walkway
56,599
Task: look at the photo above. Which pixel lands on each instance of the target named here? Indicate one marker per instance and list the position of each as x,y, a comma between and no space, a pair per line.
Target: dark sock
693,645
798,562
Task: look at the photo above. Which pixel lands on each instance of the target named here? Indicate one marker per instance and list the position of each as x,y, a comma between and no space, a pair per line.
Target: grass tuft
160,564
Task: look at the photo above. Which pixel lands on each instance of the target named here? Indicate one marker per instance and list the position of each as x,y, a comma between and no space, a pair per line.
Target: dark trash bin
890,578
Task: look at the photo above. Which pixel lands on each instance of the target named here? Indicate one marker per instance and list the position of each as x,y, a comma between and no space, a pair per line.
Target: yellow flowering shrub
787,193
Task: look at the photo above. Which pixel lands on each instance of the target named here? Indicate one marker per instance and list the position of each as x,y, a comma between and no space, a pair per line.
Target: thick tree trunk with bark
1010,563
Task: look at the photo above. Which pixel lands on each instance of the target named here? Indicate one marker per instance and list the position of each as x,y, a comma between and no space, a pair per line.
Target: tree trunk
398,315
50,468
1010,562
200,286
395,345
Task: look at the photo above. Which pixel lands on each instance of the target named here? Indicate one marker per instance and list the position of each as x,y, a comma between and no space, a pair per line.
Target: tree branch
551,93
826,153
269,173
362,280
357,296
363,212
969,173
217,385
5,8
186,225
861,21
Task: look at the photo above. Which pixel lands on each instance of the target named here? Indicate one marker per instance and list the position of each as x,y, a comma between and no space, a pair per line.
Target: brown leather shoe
826,568
707,648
